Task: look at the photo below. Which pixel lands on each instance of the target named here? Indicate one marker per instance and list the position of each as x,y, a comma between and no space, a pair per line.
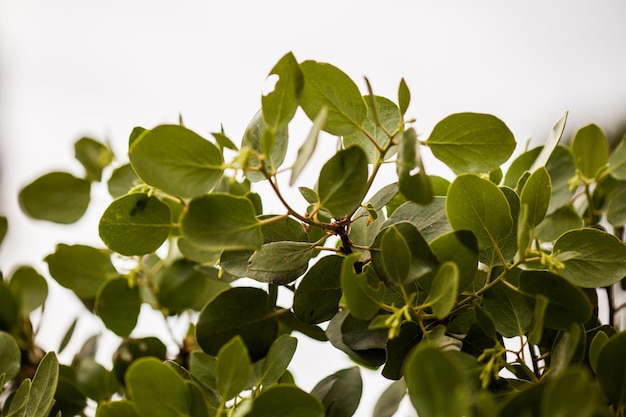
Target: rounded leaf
611,370
176,160
29,287
122,180
317,297
94,156
118,306
10,356
590,149
135,224
58,197
286,401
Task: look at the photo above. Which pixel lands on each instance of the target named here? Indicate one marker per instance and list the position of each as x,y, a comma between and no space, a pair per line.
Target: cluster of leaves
476,297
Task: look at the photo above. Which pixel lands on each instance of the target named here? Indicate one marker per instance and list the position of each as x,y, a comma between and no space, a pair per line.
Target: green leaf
444,289
478,205
572,393
567,305
362,300
590,149
224,141
122,180
280,105
121,408
118,306
67,337
94,381
471,142
536,196
396,255
389,401
508,308
414,186
222,222
597,343
29,287
9,308
277,360
390,118
316,298
176,160
342,182
80,268
550,145
4,227
156,389
135,224
611,370
404,96
285,401
591,258
562,169
617,160
308,147
326,85
352,336
43,387
340,393
273,145
57,197
430,219
437,385
233,369
94,156
461,247
281,262
557,223
238,311
10,356
616,214
19,402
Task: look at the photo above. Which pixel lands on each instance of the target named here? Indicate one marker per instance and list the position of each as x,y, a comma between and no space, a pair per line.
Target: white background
70,68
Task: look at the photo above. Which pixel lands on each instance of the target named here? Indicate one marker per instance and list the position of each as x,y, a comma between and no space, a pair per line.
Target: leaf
94,381
273,145
280,105
572,393
135,224
590,149
238,311
29,288
222,222
81,268
340,393
67,336
611,370
390,118
9,308
233,369
285,401
508,308
277,360
57,197
389,401
94,156
461,247
478,205
326,85
156,389
121,408
597,343
444,289
362,300
593,258
433,378
118,306
10,356
536,196
342,182
617,160
430,219
396,255
616,214
557,223
551,144
19,402
562,169
344,330
308,146
43,387
471,142
567,304
4,227
317,296
404,96
176,160
122,180
281,262
415,186
132,349
399,347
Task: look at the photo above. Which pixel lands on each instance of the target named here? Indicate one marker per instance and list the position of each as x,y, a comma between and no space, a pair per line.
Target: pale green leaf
590,149
308,147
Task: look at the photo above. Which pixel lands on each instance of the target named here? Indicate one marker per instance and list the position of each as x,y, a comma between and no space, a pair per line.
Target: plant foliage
474,297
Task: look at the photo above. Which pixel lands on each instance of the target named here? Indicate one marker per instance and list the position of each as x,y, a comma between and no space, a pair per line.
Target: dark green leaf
19,402
508,308
202,367
29,288
478,205
285,401
404,96
281,262
471,142
561,168
557,223
122,180
277,360
318,294
308,147
10,356
342,182
176,160
366,353
4,227
328,86
238,311
94,381
572,393
389,401
611,370
9,308
396,255
616,214
340,393
280,105
591,258
414,186
94,156
135,224
233,369
390,118
222,222
444,289
399,347
362,300
43,388
118,306
67,337
132,349
462,248
430,219
617,160
58,197
80,268
590,149
597,343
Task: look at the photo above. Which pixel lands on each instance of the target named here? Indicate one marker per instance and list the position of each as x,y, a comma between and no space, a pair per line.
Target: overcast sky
70,68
